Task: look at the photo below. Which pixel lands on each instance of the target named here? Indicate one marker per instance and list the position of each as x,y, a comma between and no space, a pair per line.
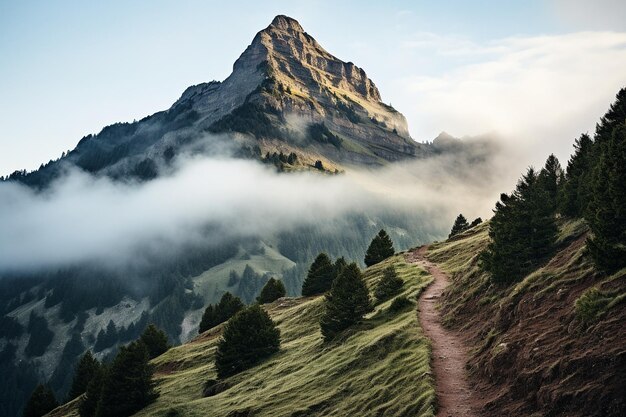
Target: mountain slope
285,94
537,348
379,368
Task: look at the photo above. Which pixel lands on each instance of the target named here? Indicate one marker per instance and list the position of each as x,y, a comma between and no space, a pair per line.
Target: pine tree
272,291
576,191
208,319
338,266
228,306
389,285
380,249
522,231
249,337
320,276
346,303
88,405
606,214
84,373
155,340
127,386
550,180
41,402
460,225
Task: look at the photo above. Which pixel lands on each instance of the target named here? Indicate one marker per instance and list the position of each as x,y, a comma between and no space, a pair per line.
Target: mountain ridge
286,93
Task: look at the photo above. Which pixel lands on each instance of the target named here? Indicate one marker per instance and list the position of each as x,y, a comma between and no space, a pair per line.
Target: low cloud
538,92
81,218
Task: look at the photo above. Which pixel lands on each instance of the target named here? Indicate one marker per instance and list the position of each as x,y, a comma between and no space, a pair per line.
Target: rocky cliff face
285,74
285,94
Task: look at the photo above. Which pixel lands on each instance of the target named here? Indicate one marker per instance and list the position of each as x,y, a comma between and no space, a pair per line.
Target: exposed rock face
285,94
284,71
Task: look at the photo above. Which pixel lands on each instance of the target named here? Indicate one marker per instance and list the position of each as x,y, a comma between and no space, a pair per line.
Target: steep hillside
553,344
379,368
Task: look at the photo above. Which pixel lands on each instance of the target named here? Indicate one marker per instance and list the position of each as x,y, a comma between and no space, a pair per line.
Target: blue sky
68,68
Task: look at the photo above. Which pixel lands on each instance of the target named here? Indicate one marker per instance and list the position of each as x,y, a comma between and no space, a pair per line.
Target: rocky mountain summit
286,76
285,94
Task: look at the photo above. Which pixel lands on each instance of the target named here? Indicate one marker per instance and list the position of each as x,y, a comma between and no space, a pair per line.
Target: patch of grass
594,303
380,368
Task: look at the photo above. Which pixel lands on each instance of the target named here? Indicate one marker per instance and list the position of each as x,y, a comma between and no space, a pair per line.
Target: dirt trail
454,396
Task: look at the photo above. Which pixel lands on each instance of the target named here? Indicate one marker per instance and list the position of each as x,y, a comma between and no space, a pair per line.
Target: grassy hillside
380,368
553,343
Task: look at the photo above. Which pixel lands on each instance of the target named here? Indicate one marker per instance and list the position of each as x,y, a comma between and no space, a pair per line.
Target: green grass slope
553,344
379,368
212,283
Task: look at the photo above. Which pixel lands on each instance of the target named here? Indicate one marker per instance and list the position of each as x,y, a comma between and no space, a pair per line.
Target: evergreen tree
228,306
84,373
522,231
476,222
338,266
41,402
460,225
606,214
389,285
272,291
155,340
550,179
320,276
380,249
128,386
346,303
40,335
249,337
89,403
576,190
208,319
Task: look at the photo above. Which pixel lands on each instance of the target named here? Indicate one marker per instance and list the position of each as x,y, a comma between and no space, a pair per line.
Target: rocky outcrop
285,72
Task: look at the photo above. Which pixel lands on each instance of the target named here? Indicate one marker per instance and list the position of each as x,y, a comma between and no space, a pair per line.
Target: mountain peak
286,23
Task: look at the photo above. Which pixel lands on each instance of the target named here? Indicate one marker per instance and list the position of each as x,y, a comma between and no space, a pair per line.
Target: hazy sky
539,72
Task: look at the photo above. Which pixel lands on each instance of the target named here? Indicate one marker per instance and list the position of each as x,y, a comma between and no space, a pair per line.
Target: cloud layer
82,218
539,92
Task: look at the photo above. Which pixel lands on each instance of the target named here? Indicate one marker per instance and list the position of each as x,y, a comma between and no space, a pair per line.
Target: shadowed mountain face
285,94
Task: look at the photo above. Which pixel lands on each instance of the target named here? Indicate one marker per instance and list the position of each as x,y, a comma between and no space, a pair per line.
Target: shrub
389,285
399,303
591,304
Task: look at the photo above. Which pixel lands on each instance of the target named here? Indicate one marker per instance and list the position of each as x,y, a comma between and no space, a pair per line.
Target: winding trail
454,395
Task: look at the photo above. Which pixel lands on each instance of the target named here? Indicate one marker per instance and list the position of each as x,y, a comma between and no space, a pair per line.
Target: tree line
523,230
116,389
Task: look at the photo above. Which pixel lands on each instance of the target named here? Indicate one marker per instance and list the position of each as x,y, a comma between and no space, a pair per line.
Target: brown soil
455,398
531,356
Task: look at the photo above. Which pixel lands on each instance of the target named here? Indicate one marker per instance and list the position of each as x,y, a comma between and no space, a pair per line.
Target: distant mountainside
285,94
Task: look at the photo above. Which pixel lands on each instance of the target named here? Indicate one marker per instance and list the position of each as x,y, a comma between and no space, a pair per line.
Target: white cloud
587,14
540,91
82,218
